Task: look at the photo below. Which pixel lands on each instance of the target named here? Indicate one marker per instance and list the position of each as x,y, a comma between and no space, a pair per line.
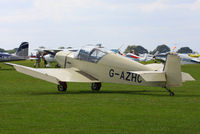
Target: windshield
91,53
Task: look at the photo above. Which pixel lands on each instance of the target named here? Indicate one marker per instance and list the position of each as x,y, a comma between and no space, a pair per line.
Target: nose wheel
96,86
62,87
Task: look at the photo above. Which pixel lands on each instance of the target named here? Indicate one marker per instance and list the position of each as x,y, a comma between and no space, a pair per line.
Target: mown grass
33,106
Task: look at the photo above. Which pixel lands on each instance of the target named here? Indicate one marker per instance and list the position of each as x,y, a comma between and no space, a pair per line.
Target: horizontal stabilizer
55,75
187,77
152,76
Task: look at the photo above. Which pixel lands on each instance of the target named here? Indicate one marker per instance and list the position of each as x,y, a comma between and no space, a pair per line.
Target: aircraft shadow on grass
137,92
6,69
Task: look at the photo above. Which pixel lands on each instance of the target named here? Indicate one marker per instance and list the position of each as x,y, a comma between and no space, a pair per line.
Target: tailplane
23,50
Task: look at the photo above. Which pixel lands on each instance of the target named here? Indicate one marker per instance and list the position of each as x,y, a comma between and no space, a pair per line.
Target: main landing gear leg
170,92
62,87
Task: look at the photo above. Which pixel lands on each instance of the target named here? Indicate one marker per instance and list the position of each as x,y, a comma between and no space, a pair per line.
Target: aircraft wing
197,60
52,52
55,75
187,77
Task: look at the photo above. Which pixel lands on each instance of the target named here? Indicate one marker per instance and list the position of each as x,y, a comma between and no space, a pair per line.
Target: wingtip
7,63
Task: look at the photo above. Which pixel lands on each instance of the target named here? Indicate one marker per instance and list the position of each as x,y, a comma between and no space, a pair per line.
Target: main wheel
57,66
171,93
62,87
96,86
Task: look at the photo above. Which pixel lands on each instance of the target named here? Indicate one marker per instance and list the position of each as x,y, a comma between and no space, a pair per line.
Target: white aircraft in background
94,64
184,58
141,57
49,59
49,54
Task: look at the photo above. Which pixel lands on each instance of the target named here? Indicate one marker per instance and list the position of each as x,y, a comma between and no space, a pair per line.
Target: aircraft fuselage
112,68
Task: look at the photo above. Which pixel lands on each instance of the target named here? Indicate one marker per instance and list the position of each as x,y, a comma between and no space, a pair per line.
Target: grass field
33,106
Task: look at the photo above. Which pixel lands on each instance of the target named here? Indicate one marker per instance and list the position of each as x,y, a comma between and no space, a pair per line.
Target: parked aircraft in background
94,64
134,57
49,58
32,56
142,57
49,54
184,58
161,56
21,53
194,55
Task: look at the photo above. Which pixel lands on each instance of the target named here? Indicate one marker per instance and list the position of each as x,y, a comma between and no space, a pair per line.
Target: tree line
8,51
160,49
137,49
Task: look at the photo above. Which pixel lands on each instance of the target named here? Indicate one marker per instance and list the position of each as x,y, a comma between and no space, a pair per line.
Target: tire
57,66
62,87
171,94
96,86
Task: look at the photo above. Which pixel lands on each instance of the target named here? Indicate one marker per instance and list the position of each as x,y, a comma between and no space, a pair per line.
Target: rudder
23,50
173,71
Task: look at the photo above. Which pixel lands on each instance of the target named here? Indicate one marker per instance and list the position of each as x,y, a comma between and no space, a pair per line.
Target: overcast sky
113,23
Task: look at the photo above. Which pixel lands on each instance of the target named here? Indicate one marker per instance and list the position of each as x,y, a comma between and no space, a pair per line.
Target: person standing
38,59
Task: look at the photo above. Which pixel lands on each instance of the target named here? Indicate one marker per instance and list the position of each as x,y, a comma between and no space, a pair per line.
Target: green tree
2,50
41,47
185,50
61,48
161,49
137,49
12,51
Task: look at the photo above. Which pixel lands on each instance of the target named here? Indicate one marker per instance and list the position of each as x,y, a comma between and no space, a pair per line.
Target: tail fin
173,71
23,50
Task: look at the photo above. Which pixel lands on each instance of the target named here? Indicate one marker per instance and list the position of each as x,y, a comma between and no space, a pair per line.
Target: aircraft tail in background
22,51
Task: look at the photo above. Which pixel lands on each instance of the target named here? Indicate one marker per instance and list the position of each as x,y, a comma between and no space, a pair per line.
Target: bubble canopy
91,53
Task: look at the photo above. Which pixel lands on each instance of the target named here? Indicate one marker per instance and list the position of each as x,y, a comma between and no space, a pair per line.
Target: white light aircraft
94,64
137,58
184,58
49,54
